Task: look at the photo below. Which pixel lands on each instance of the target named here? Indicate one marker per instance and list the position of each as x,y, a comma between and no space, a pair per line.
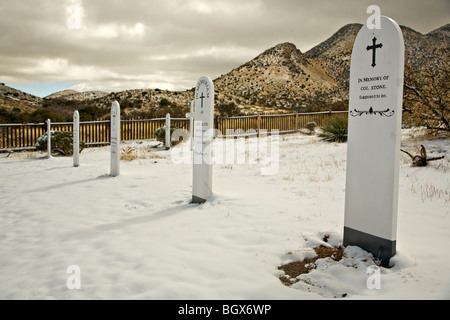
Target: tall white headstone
49,139
167,131
115,139
76,139
374,132
203,138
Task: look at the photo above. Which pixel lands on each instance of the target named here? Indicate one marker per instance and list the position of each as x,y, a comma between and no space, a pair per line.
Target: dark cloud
171,43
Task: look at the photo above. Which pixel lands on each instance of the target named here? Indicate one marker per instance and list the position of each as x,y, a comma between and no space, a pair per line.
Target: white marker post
374,132
49,139
76,139
115,139
167,129
203,137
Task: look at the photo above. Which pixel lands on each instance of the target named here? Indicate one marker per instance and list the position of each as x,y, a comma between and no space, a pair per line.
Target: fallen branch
421,160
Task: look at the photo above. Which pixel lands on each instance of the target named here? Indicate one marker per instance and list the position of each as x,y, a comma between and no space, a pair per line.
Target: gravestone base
197,200
381,249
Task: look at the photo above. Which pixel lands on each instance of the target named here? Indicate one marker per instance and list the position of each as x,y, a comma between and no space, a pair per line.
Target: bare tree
427,96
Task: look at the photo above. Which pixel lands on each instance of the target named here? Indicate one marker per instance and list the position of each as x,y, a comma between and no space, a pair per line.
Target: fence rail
97,133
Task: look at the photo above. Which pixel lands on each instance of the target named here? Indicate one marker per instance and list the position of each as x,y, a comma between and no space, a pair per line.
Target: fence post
49,139
167,131
296,121
258,124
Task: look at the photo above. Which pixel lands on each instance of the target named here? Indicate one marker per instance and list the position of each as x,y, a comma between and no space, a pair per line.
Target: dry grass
428,191
293,269
128,154
26,155
414,136
131,153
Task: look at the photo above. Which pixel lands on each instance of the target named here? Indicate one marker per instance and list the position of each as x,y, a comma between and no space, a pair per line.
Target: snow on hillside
136,236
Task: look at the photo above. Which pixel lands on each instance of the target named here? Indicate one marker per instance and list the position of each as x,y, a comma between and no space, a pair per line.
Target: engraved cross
202,97
374,47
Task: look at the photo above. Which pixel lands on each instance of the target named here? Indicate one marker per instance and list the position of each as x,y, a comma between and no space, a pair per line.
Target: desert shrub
336,130
228,109
311,126
62,143
161,135
7,116
91,113
164,103
18,116
42,115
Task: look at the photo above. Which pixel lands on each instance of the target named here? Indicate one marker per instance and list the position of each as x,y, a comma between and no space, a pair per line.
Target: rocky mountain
334,54
18,101
430,51
280,78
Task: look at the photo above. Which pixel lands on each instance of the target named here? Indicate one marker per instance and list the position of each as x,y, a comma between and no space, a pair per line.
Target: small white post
49,139
115,139
76,139
167,131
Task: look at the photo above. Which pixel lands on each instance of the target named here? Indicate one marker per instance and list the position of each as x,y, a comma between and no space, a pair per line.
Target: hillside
334,54
75,95
431,50
17,101
280,78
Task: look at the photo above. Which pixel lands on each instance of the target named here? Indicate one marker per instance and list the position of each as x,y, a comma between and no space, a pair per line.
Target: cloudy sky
111,45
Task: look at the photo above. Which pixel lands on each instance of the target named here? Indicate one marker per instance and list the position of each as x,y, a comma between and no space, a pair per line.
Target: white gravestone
49,139
167,131
374,132
115,139
76,138
203,137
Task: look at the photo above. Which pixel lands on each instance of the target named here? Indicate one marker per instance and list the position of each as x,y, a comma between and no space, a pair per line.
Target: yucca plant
335,130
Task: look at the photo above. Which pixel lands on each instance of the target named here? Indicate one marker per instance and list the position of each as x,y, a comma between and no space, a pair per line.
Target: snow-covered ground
136,236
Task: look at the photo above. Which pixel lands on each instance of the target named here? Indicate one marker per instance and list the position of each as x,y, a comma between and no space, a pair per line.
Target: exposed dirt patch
293,269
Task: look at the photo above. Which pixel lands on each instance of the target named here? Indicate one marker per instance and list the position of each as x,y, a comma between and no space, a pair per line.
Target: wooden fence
284,123
97,133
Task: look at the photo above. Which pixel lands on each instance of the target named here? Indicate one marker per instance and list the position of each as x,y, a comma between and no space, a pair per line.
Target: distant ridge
75,95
